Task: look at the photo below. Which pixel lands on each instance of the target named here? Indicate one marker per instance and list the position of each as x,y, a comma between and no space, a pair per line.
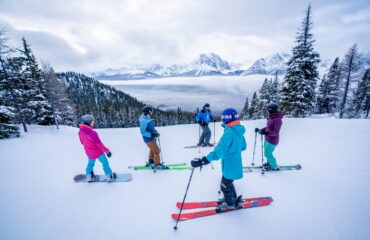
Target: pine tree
57,96
362,96
8,125
274,90
31,74
351,69
328,94
245,112
298,93
254,109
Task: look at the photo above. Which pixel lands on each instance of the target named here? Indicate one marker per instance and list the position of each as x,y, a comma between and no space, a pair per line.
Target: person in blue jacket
203,118
229,150
150,135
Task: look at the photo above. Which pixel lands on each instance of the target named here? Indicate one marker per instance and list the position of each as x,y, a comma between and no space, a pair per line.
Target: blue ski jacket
229,149
147,128
205,116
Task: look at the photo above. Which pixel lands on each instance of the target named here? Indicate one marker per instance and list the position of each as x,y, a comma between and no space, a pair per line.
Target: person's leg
228,189
202,136
104,161
90,166
208,134
269,149
154,149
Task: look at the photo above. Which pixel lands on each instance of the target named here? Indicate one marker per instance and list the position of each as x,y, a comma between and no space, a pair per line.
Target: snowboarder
94,148
203,118
229,149
149,134
271,132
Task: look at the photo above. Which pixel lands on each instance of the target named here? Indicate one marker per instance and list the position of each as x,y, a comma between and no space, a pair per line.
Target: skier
149,134
94,149
203,118
229,149
271,132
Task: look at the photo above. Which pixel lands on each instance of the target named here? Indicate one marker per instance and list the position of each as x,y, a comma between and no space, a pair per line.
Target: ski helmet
147,110
86,119
229,115
272,107
206,106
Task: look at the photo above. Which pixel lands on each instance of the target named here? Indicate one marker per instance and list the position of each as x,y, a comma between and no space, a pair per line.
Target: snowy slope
327,199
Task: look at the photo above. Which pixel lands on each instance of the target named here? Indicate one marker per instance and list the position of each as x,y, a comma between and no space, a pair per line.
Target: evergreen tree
8,125
274,90
328,94
298,93
254,109
351,69
31,75
57,97
264,97
245,112
362,96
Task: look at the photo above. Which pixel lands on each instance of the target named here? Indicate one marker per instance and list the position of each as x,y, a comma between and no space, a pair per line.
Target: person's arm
99,143
143,129
276,128
221,147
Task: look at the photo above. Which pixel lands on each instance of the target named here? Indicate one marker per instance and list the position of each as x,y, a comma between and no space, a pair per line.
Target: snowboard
121,177
210,212
193,205
281,168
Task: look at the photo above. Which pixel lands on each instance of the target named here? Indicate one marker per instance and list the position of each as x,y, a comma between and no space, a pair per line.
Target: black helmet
147,110
206,105
272,107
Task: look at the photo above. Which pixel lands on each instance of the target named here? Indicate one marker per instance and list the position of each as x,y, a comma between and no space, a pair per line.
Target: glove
156,134
198,162
264,132
109,154
201,122
256,130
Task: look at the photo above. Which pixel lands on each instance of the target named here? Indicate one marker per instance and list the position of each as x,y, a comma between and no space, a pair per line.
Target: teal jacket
229,149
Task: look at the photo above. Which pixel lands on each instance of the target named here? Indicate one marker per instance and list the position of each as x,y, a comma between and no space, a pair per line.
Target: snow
327,199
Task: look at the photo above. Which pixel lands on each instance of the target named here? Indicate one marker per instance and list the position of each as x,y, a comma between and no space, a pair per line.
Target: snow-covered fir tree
328,93
352,69
298,92
63,111
274,89
254,109
361,101
8,125
35,85
245,112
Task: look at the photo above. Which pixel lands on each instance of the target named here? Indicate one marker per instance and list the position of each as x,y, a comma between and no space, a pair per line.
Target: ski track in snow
327,199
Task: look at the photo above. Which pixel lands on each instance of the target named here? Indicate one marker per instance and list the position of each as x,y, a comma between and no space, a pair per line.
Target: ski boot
223,206
111,177
150,163
210,145
161,166
91,177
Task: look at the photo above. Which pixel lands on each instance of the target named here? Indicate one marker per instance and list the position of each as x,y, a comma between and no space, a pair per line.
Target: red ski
192,205
249,204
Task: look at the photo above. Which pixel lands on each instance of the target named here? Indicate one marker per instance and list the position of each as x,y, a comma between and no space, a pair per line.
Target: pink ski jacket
94,148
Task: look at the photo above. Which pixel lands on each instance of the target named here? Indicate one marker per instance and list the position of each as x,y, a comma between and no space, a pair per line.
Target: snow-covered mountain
275,63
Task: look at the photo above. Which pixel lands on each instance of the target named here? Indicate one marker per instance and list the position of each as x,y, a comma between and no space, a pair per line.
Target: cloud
94,35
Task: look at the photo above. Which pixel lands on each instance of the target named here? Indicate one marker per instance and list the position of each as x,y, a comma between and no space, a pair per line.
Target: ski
193,205
156,169
281,168
170,165
195,146
198,214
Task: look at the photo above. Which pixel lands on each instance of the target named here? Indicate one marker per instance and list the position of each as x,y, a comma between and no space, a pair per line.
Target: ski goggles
229,117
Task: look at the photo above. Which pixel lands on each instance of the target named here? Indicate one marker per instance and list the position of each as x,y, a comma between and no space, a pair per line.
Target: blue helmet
229,115
147,110
86,119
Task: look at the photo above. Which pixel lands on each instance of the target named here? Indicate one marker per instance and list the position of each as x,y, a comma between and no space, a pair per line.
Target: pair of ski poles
254,150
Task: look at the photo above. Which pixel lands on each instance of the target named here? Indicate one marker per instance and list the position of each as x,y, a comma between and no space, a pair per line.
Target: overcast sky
93,35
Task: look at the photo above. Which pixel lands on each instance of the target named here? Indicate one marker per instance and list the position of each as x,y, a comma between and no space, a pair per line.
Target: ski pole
263,171
214,131
160,149
183,201
254,147
199,139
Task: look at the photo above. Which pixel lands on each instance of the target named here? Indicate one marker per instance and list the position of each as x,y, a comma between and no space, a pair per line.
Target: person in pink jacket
94,148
